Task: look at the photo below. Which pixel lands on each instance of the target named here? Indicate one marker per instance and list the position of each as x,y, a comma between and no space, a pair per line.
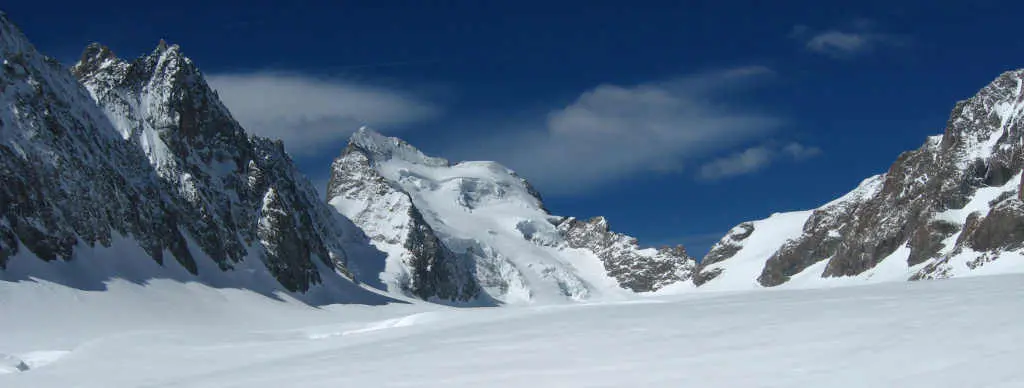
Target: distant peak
96,49
365,132
380,148
169,59
365,137
96,53
95,57
165,49
600,222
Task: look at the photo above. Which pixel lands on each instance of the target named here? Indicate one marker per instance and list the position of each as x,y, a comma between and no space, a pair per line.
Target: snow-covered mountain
950,208
476,229
145,162
146,156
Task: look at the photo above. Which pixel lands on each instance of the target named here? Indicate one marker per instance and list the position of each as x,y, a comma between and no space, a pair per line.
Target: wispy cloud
800,152
744,162
754,159
858,38
612,132
312,114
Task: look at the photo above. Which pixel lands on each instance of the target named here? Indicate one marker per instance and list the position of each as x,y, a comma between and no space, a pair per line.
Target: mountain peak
378,148
169,58
95,56
163,49
986,121
97,51
366,134
183,116
11,38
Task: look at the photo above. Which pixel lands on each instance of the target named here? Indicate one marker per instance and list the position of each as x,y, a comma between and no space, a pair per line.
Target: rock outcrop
639,270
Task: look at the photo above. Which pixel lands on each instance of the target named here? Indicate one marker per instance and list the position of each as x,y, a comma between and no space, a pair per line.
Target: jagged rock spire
93,57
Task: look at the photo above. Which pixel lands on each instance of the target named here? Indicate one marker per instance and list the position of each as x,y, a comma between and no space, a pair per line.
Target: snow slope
741,271
947,333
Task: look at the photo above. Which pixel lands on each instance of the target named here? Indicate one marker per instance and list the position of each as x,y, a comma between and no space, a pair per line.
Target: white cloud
611,132
744,162
859,38
312,114
754,159
835,42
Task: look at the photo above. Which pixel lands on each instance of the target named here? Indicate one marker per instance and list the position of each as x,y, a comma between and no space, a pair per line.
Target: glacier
943,333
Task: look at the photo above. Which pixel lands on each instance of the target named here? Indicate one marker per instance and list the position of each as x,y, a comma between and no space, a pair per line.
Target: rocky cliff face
947,208
66,177
477,229
241,191
147,151
636,269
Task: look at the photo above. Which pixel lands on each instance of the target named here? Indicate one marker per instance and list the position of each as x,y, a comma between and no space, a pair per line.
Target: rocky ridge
947,208
146,151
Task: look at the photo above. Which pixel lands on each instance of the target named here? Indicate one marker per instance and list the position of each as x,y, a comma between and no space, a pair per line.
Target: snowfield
945,333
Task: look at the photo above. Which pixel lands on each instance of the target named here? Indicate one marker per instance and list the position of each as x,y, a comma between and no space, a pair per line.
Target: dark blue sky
675,119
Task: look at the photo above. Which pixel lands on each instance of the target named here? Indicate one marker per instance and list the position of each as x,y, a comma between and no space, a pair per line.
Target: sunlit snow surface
947,333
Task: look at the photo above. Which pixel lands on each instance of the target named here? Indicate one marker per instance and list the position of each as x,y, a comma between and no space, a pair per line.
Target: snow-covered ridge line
950,208
383,148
